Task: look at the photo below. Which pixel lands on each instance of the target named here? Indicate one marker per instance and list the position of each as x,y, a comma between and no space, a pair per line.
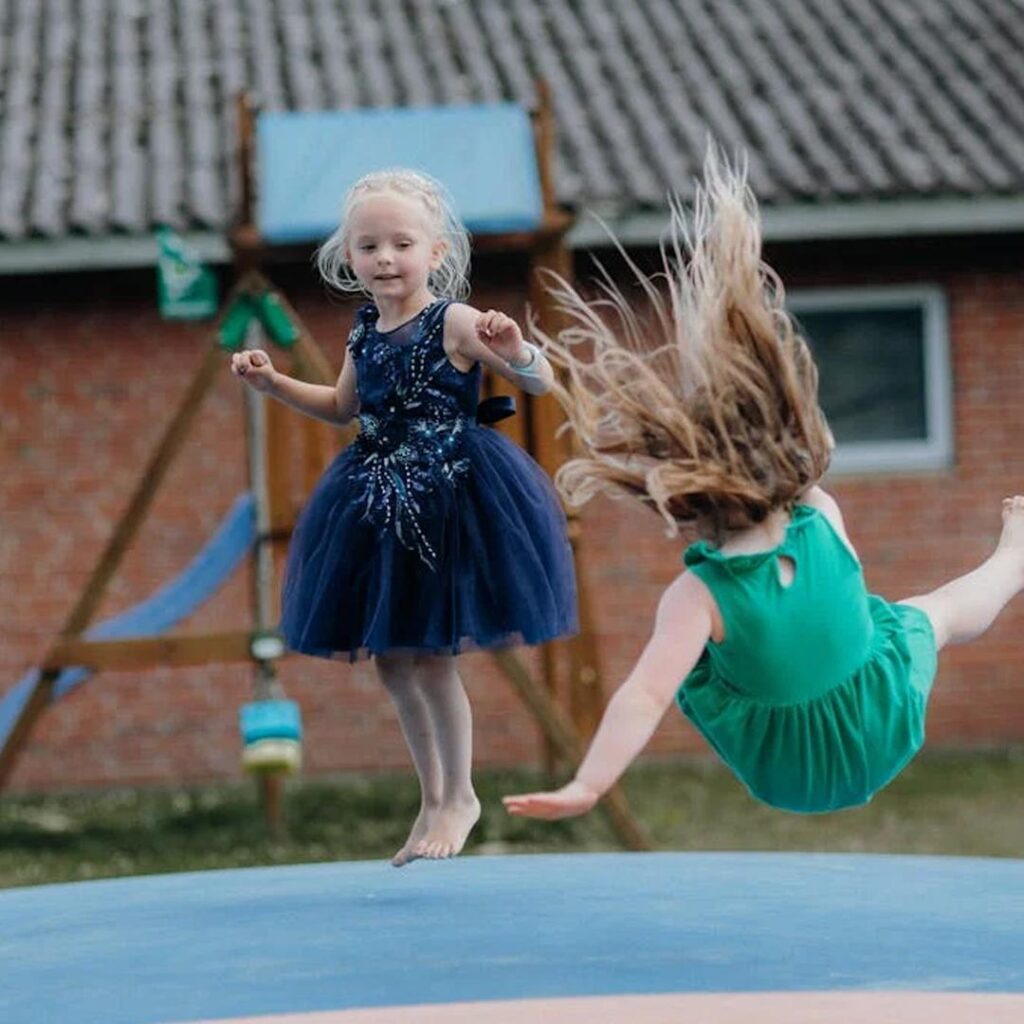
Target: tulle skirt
500,572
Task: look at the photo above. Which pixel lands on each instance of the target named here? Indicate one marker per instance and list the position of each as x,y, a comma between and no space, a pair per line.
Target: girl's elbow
644,698
344,414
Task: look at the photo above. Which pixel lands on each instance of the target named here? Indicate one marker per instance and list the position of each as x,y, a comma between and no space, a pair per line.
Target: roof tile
118,115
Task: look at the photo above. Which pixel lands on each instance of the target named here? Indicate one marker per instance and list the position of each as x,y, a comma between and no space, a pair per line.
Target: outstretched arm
681,631
494,339
336,404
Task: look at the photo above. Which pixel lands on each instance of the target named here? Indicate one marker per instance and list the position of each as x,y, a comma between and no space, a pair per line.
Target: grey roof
116,115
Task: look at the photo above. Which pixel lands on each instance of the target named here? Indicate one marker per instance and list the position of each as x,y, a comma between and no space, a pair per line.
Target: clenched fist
255,368
501,334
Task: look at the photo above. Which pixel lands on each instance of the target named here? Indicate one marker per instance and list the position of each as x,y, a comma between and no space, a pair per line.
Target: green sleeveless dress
816,697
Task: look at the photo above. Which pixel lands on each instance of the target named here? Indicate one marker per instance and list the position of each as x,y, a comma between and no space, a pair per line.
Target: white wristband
528,369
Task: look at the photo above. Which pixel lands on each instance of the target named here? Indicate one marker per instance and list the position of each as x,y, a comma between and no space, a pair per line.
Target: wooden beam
551,449
280,463
33,707
586,694
145,491
131,519
249,251
311,362
319,440
544,142
542,416
559,730
149,652
263,590
246,243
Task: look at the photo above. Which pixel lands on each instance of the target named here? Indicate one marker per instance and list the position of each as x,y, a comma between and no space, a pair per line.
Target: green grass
967,804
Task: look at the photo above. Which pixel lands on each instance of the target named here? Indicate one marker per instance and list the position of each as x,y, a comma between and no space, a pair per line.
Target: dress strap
432,320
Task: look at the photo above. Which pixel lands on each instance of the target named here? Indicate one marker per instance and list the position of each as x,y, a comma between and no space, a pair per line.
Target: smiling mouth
385,277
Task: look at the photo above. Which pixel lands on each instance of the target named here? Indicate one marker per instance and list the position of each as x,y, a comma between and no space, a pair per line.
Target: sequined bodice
406,373
416,408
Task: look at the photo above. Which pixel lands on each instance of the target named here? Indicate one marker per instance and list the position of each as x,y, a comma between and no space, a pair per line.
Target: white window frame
936,451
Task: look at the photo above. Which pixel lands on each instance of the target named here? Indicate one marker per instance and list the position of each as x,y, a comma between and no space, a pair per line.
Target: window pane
871,371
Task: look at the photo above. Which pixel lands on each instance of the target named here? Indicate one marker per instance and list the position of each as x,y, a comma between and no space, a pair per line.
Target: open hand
255,368
567,802
501,334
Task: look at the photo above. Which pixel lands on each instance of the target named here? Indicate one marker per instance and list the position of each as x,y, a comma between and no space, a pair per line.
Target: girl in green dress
705,408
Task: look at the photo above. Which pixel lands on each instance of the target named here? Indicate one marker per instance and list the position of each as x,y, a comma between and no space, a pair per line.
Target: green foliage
966,804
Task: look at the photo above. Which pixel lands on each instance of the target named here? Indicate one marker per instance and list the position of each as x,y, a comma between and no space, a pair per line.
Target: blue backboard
483,154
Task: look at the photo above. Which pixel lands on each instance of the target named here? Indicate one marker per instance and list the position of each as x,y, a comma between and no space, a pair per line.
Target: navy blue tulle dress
430,532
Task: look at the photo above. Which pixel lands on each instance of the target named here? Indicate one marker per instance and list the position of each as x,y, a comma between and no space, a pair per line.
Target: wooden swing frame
564,732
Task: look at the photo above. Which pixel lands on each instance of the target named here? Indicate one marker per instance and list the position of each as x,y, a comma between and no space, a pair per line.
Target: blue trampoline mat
333,936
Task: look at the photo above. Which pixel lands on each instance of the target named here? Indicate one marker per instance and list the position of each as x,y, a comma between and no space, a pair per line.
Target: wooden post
263,603
246,243
266,685
280,463
247,248
540,416
128,525
551,256
565,737
319,440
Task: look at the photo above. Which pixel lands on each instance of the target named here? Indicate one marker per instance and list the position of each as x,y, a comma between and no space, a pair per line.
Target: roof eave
792,223
102,252
805,223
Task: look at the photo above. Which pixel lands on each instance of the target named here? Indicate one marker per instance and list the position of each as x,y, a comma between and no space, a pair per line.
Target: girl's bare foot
1012,538
965,607
419,831
449,829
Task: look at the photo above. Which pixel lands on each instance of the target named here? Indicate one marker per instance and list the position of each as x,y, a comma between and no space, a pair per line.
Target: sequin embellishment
409,448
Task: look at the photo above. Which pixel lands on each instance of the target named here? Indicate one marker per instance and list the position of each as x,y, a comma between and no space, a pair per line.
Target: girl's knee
396,671
404,673
434,666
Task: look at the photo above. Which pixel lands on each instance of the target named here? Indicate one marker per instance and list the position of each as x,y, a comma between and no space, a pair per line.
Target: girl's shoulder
459,321
457,314
362,323
688,603
367,314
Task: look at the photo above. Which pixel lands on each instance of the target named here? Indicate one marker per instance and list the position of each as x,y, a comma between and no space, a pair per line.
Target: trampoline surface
575,938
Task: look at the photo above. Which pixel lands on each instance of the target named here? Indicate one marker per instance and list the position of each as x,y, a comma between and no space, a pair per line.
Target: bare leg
452,720
966,607
401,678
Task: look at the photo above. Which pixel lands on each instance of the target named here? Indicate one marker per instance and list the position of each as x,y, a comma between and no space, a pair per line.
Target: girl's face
392,245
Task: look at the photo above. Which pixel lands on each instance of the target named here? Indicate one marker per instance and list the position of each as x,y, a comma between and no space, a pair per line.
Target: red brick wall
89,376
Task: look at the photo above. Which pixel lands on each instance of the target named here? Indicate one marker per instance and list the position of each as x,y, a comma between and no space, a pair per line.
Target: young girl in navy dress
430,534
813,690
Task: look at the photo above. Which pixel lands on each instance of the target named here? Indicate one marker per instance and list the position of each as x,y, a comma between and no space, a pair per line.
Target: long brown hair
704,403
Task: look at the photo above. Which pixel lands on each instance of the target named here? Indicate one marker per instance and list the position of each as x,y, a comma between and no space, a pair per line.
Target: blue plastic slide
196,583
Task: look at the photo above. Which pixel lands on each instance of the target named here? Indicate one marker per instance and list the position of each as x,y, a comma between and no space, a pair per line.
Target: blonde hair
450,279
704,405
